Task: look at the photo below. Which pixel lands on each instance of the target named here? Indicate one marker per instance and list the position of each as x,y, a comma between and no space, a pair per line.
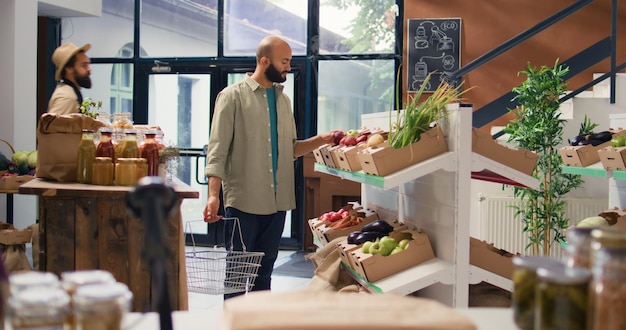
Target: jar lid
106,130
535,262
564,275
102,292
130,131
83,277
140,160
103,160
125,160
610,237
23,280
87,131
40,297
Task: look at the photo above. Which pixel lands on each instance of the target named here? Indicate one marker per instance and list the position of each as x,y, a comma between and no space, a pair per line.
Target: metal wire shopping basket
220,271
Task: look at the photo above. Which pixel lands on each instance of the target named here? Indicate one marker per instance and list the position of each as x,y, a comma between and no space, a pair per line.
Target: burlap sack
57,144
14,258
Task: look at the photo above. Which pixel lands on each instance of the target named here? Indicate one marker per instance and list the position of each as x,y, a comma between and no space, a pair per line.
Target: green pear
375,247
404,243
366,247
397,249
387,245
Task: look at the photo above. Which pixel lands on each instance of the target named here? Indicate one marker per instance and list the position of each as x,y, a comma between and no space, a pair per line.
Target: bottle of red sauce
105,146
150,151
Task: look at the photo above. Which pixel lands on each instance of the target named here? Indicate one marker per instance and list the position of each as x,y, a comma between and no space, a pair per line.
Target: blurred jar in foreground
39,308
578,248
24,280
562,298
608,285
101,306
524,285
71,280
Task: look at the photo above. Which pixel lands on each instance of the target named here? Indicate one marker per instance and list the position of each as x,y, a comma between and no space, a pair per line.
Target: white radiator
500,227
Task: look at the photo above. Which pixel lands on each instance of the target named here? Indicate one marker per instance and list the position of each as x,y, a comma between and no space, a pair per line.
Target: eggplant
577,139
584,143
595,142
352,237
369,236
379,226
602,136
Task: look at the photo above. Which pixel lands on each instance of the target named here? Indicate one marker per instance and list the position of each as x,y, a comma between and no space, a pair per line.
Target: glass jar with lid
608,284
578,250
103,169
105,146
149,150
125,172
39,308
86,156
101,306
71,280
142,167
524,285
122,120
562,298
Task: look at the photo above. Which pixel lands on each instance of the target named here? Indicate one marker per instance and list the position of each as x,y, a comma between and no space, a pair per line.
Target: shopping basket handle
232,234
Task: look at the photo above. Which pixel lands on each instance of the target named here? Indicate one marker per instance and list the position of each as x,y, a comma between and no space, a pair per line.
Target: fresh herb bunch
90,107
418,118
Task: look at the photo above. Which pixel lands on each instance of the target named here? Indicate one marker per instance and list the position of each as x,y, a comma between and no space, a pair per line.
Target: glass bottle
608,284
125,172
578,250
86,156
129,148
524,285
150,151
105,146
562,298
122,120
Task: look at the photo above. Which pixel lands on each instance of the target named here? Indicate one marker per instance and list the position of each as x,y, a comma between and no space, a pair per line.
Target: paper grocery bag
58,137
14,258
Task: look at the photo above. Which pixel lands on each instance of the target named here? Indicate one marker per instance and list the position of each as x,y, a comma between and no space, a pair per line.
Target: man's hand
328,136
210,210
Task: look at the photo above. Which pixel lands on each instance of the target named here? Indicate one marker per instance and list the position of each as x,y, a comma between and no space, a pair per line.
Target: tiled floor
213,304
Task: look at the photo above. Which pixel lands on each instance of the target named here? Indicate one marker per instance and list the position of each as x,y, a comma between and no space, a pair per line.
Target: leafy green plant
539,128
418,117
90,107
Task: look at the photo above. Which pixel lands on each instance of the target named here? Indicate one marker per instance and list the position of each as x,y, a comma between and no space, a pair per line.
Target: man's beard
84,81
274,75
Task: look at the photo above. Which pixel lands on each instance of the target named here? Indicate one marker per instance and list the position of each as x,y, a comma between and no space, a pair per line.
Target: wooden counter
88,227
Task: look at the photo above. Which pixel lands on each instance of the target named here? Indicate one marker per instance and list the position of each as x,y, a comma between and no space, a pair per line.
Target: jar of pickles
129,147
578,248
39,308
561,301
125,172
524,285
86,156
608,284
103,171
101,306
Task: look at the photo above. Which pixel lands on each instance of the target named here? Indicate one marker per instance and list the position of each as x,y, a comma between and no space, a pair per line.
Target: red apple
350,141
337,136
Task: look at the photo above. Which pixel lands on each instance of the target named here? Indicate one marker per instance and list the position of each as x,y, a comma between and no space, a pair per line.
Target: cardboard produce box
13,182
487,257
316,222
384,160
347,159
615,217
376,267
14,236
327,234
317,153
329,156
613,158
581,155
522,160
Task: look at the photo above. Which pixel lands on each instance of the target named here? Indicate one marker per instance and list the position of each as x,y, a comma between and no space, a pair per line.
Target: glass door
182,104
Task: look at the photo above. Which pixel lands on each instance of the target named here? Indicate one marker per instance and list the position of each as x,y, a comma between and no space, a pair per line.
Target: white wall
18,95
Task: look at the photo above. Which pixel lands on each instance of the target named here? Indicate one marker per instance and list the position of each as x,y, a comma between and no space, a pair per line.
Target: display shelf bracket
478,275
487,169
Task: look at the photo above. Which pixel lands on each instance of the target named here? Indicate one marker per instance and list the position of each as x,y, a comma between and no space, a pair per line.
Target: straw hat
63,54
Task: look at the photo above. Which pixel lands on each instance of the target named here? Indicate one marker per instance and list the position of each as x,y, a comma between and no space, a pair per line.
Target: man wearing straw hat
72,73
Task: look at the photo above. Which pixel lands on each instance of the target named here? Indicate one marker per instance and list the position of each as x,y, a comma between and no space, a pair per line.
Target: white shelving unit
434,195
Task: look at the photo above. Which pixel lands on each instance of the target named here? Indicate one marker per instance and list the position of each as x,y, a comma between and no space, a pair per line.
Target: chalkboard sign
433,45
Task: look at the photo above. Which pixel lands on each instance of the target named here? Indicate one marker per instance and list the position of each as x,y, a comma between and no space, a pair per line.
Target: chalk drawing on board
435,50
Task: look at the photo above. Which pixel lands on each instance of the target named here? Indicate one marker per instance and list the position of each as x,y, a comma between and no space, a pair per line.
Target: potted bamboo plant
539,128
